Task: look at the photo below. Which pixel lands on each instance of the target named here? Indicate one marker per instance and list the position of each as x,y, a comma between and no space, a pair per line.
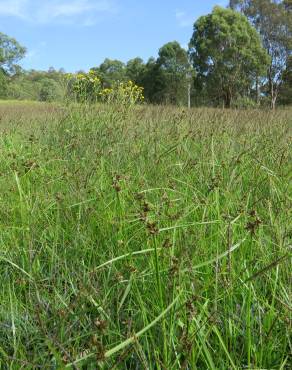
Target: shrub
124,93
244,102
85,87
49,90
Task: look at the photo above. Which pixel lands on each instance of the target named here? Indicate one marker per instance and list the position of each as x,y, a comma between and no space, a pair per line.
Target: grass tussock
151,239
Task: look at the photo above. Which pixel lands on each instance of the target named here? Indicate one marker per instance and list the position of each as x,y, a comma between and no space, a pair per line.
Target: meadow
148,238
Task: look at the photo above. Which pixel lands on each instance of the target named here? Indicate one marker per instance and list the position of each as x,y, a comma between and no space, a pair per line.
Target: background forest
239,57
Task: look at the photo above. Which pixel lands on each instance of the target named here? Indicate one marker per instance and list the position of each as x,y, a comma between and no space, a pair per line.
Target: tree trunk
189,95
274,95
228,99
273,102
273,92
257,90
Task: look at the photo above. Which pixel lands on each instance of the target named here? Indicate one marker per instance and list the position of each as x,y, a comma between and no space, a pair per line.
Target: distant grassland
157,238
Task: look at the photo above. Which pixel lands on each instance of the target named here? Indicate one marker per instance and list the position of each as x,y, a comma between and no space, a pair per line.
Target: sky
80,34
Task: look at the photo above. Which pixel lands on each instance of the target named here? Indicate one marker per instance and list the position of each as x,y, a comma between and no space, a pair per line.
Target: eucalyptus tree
135,69
227,54
174,63
10,53
110,71
273,21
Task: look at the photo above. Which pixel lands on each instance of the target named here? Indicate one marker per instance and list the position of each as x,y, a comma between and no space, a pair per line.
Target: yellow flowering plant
85,86
124,93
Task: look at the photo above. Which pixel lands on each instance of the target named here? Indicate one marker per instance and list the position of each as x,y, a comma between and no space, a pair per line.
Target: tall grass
151,239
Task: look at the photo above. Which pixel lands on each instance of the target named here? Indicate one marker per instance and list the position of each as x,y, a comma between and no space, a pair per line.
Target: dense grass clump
151,239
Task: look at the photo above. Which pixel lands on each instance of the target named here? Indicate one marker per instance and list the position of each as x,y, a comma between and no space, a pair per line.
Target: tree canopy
10,52
227,54
111,70
174,65
273,21
238,56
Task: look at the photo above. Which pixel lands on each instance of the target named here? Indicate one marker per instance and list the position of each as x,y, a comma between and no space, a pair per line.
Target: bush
87,88
3,84
244,102
49,91
124,93
84,87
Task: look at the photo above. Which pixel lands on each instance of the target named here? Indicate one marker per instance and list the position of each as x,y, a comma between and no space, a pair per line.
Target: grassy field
153,239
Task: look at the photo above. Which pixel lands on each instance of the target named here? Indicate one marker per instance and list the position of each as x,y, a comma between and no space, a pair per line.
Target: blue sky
79,34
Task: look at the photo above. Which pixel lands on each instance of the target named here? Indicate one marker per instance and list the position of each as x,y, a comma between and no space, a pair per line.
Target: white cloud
84,12
13,8
183,19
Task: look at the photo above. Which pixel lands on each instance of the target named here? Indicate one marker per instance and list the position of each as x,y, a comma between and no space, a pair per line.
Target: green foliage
153,82
174,65
87,88
36,85
125,94
10,52
135,70
111,71
285,93
165,79
173,58
273,20
244,102
3,84
156,240
84,87
48,90
227,54
226,64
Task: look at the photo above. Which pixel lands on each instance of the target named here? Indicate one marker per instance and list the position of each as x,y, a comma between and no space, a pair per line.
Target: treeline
164,80
237,57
